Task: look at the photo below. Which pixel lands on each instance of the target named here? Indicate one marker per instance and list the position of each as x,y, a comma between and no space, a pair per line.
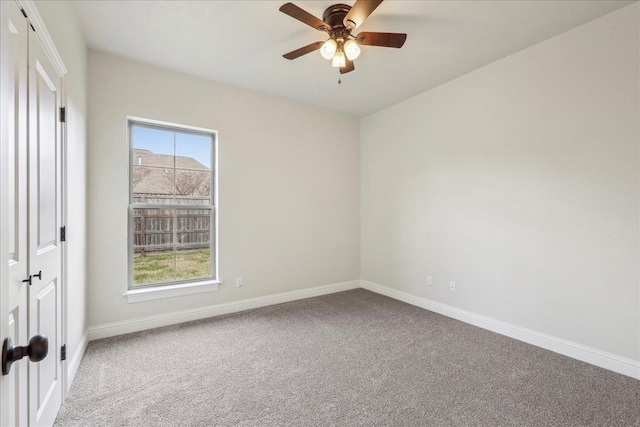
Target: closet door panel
45,163
45,254
13,205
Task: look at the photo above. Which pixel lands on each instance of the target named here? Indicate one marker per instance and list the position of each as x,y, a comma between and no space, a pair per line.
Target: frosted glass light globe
351,49
338,60
328,49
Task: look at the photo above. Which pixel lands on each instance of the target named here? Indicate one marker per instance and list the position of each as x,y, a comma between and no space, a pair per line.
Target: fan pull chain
339,78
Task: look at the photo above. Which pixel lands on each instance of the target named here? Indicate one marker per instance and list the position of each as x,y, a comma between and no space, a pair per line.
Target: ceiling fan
339,21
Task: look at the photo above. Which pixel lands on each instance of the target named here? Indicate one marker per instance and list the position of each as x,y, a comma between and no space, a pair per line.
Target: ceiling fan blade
348,67
305,17
303,50
359,12
381,39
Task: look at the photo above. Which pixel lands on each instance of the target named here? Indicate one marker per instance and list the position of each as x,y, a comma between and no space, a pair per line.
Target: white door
13,206
45,216
30,218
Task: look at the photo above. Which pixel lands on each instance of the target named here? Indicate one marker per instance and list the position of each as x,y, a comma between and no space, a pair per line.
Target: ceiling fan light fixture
339,21
328,49
338,60
351,49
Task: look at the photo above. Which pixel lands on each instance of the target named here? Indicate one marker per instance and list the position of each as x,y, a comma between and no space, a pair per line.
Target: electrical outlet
452,286
239,282
428,280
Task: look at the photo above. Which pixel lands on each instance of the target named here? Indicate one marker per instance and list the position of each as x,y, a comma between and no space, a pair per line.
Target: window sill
168,291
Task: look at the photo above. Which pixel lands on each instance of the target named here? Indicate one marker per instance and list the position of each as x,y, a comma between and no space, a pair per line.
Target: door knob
37,350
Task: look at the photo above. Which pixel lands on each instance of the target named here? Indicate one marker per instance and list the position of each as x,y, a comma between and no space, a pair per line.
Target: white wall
520,181
60,19
288,195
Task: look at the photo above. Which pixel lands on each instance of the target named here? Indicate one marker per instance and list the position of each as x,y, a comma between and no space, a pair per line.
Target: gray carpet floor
351,358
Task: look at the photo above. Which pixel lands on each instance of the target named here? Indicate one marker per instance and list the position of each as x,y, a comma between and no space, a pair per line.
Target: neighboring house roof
153,174
148,158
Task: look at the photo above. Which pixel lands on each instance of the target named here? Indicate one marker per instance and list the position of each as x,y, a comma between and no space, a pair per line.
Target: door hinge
63,114
23,13
63,233
63,352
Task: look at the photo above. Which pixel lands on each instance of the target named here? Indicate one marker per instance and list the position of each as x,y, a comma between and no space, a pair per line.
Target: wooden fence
162,229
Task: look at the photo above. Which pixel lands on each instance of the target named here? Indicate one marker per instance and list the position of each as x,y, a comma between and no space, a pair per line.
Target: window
172,211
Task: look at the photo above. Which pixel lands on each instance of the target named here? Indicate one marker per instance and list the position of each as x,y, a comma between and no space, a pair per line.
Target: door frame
64,258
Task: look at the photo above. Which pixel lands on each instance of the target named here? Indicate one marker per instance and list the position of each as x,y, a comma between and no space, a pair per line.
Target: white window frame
160,290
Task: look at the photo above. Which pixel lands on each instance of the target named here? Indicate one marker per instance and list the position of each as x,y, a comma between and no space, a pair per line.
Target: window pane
193,187
152,147
153,246
152,185
193,151
193,240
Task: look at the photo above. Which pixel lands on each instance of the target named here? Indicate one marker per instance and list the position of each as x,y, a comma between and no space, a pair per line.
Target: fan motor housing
334,16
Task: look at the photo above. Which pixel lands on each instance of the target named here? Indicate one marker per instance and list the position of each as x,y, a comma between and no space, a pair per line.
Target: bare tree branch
188,183
139,175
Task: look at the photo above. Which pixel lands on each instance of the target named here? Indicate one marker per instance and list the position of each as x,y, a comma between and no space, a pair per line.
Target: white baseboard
74,363
144,323
612,362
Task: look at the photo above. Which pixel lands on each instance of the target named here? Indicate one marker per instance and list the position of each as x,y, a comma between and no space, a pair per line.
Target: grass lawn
155,268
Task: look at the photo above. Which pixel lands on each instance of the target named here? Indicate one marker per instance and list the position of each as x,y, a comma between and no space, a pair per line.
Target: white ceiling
241,43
